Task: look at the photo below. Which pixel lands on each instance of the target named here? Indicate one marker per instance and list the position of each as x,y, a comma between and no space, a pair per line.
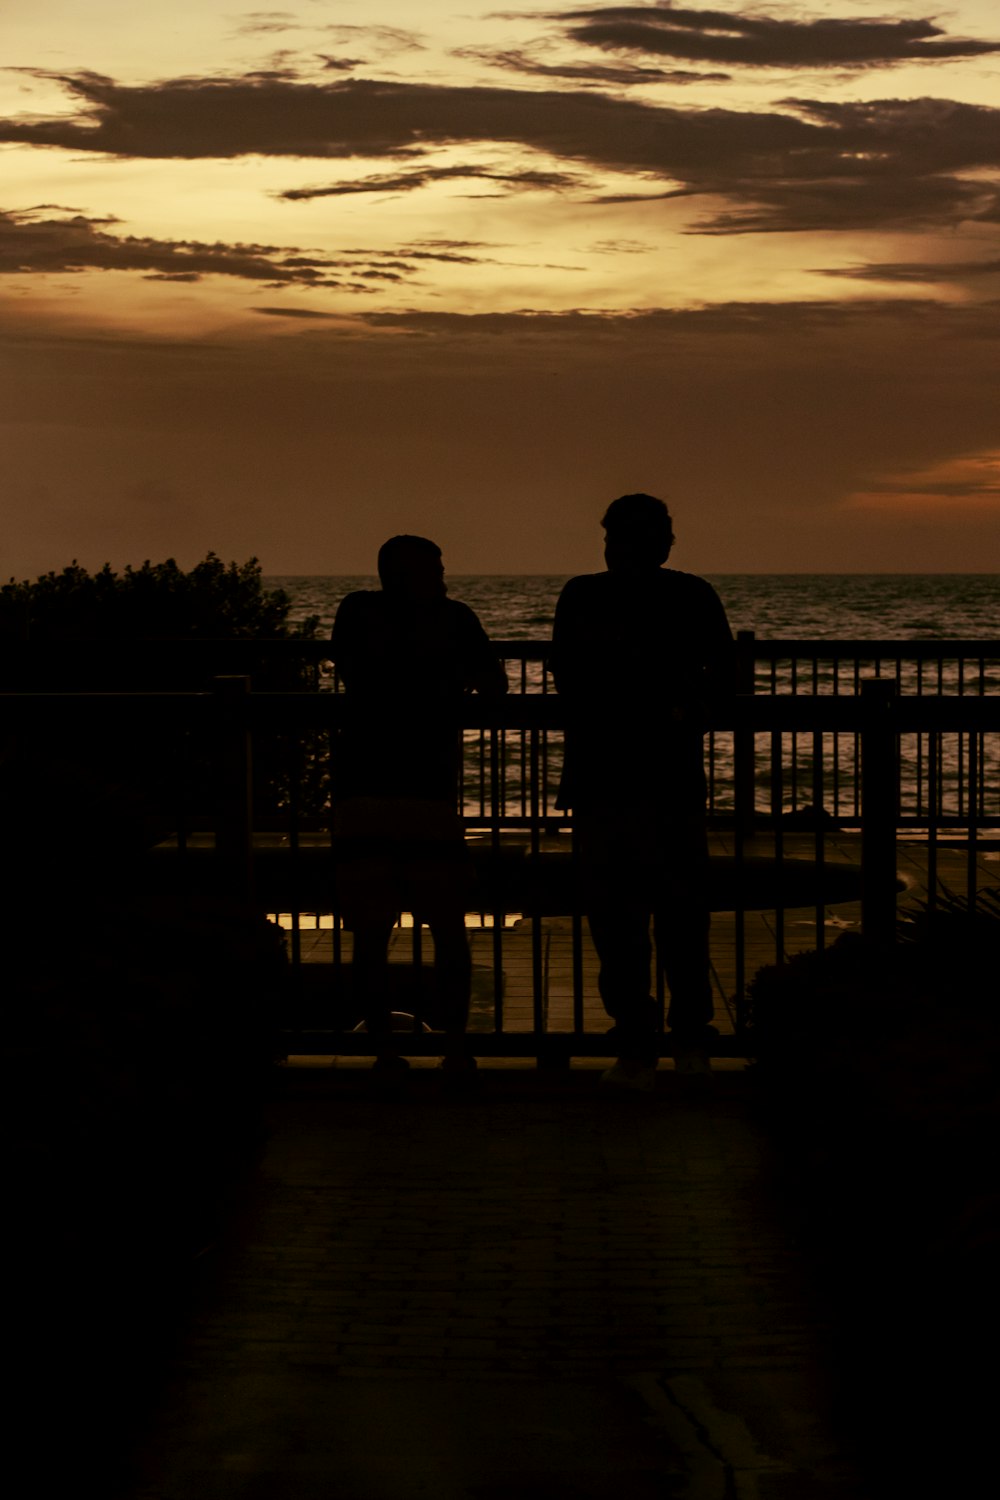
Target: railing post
744,771
233,788
879,810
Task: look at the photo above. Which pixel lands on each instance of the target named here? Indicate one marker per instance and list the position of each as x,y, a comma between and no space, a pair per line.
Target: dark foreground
544,1292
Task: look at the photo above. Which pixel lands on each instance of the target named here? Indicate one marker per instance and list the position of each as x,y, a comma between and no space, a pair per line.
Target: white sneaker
639,1077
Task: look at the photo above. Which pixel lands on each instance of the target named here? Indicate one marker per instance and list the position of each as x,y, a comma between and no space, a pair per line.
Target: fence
930,769
781,863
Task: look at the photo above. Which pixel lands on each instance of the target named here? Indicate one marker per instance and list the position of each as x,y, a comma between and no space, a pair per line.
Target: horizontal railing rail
306,710
794,665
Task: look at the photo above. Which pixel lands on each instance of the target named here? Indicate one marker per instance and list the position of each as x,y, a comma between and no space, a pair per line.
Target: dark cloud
921,135
807,164
406,258
620,247
293,312
911,271
448,244
877,203
64,208
644,197
453,257
380,275
341,64
626,74
764,41
418,177
221,117
896,167
424,250
30,244
802,319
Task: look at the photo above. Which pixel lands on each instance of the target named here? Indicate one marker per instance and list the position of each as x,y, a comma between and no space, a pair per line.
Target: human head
637,533
410,568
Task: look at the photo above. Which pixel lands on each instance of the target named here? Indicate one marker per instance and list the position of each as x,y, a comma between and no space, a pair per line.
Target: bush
156,628
158,600
879,1070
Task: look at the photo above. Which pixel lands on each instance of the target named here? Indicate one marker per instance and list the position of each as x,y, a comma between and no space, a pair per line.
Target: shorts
398,854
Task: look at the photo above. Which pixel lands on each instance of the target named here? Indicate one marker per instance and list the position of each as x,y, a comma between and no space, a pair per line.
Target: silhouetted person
636,652
407,655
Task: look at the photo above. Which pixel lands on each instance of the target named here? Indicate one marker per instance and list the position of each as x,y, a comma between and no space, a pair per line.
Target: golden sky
285,282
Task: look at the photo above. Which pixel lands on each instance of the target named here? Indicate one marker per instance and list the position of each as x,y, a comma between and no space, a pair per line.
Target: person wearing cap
637,652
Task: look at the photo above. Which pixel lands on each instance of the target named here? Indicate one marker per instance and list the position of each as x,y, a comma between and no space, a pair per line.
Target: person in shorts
407,655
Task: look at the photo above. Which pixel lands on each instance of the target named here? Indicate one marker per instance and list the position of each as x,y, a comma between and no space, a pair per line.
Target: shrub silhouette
157,600
877,1068
157,628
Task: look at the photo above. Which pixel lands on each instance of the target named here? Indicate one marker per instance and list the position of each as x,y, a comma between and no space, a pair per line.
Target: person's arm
344,638
485,673
568,655
720,651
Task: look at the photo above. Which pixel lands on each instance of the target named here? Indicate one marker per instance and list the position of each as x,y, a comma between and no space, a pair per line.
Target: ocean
820,606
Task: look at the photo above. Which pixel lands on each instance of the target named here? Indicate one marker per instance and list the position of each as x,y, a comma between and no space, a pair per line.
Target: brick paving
541,1290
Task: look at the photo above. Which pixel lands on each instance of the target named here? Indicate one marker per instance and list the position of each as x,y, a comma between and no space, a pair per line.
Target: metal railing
781,866
931,770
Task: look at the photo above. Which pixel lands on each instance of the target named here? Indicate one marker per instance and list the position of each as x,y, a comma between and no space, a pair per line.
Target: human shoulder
584,587
360,601
690,586
364,598
357,611
459,610
462,620
694,600
691,581
585,581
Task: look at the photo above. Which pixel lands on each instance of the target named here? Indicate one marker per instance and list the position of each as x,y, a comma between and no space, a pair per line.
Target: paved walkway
545,1292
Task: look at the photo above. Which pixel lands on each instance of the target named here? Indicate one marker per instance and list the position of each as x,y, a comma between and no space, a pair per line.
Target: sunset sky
285,282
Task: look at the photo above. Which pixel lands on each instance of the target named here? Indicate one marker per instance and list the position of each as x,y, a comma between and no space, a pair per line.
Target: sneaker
459,1075
626,1073
691,1049
389,1064
390,1073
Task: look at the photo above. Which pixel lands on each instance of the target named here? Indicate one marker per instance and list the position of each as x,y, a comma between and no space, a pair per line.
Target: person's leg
620,932
682,940
613,877
682,931
370,904
452,976
440,884
369,968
